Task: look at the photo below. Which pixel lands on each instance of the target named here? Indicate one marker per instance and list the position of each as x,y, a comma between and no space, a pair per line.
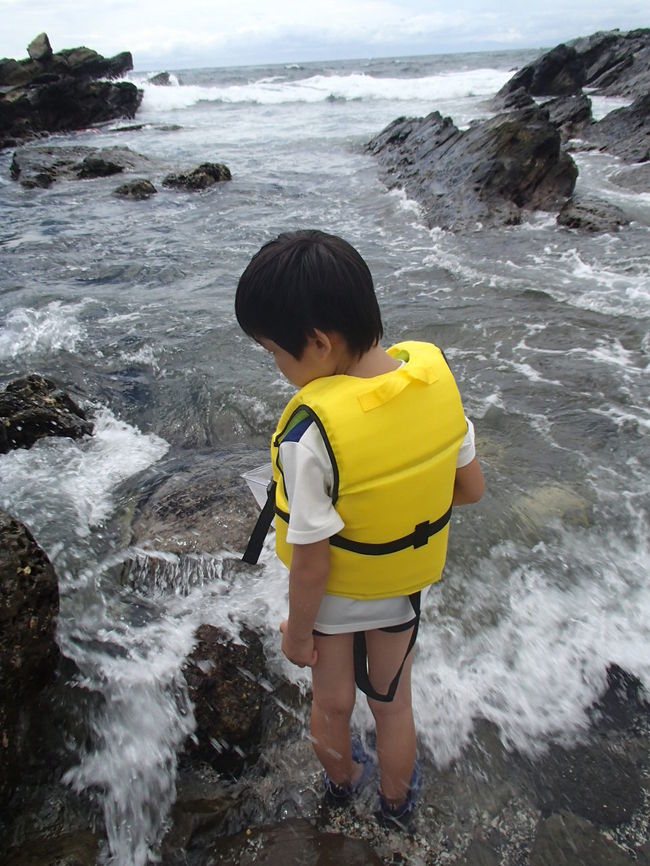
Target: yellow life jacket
393,441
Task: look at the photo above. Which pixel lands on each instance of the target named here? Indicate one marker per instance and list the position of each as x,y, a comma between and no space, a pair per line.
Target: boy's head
308,280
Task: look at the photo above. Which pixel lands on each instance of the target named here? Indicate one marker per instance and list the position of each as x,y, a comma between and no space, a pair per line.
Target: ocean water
130,305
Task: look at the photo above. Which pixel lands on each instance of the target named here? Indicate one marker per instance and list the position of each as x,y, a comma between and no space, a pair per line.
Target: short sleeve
308,478
467,449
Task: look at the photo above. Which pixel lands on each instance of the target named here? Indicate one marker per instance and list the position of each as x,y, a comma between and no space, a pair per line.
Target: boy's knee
340,704
385,709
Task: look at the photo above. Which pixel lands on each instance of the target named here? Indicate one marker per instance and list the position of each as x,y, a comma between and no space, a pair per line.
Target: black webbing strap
418,538
255,542
361,658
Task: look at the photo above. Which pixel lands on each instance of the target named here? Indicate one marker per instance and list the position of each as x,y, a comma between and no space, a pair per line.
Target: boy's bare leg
396,744
333,697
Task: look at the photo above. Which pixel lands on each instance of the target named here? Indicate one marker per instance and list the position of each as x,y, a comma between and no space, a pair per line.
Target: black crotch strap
361,658
256,541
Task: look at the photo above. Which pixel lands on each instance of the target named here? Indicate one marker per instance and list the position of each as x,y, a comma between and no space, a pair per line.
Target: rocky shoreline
588,803
519,160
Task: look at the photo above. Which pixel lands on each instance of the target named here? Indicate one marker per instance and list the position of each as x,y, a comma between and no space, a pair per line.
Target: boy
368,459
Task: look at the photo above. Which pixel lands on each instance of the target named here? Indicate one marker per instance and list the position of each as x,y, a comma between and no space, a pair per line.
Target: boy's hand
300,652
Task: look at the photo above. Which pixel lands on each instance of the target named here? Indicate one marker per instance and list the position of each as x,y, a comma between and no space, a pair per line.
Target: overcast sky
180,33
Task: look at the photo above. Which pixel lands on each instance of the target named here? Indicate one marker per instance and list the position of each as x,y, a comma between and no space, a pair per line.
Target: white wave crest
54,328
318,88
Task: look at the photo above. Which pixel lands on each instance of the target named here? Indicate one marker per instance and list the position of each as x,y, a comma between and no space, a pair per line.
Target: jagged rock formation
53,92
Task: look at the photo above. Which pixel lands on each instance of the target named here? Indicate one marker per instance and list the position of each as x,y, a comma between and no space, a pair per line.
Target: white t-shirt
309,481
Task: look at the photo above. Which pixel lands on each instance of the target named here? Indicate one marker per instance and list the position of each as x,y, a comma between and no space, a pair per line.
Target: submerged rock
487,174
71,849
292,841
203,176
592,215
44,165
634,177
29,654
571,841
35,407
136,189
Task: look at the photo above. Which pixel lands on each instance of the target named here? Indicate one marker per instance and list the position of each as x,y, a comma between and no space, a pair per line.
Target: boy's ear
321,342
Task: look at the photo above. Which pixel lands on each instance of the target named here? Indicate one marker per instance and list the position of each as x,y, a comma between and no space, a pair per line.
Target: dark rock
162,79
592,215
223,681
34,407
512,100
72,849
566,840
613,63
616,64
625,132
57,92
205,175
29,605
570,114
40,49
95,166
138,190
293,842
634,177
44,165
590,781
487,174
199,506
559,72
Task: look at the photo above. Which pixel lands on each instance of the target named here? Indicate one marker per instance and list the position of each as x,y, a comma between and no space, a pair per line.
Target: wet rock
95,166
54,92
559,72
591,781
624,132
202,506
487,174
34,407
293,842
566,840
136,189
72,849
202,177
570,114
43,165
591,214
162,79
29,654
616,64
223,680
634,177
613,63
512,100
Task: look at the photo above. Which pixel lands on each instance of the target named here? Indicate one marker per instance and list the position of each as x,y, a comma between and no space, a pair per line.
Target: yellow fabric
394,440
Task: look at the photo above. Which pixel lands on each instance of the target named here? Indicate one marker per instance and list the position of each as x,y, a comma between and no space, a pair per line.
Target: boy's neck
374,362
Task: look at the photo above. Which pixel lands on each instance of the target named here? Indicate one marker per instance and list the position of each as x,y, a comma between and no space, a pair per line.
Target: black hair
306,280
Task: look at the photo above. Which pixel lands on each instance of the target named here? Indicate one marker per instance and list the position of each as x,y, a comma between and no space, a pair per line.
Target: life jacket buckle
421,534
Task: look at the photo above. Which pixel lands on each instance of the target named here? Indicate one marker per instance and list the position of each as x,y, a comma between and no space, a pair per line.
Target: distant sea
131,305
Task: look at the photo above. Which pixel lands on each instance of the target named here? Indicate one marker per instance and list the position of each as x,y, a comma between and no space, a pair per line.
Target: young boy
368,458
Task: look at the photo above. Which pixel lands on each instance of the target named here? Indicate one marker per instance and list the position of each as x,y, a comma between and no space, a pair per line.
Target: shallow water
131,304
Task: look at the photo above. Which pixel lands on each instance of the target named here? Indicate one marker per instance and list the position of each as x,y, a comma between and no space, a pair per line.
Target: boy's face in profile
298,371
317,359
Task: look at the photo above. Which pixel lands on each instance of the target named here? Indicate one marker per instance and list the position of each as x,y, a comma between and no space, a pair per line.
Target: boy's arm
469,484
310,566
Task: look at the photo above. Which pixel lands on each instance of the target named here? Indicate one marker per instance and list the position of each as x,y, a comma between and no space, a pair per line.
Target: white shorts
339,615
